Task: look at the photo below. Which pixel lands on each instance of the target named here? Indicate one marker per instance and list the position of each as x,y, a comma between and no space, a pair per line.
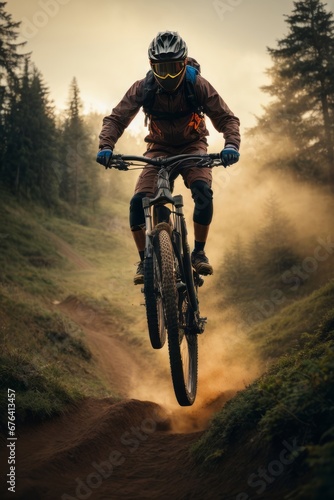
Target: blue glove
104,156
229,155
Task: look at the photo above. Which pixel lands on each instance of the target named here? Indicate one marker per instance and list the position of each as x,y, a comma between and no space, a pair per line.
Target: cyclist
176,126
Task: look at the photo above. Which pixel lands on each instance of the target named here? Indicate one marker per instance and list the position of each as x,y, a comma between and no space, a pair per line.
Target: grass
292,402
286,330
44,355
39,393
44,358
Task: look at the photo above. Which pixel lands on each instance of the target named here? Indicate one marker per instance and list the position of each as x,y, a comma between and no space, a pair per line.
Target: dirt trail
116,359
108,450
67,251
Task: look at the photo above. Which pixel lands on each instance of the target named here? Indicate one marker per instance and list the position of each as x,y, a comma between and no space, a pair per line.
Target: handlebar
123,162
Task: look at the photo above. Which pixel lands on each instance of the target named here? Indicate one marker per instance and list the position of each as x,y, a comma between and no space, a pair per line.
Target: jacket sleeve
121,116
219,113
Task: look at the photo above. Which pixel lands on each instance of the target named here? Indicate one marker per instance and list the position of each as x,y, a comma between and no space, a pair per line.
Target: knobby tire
153,302
182,346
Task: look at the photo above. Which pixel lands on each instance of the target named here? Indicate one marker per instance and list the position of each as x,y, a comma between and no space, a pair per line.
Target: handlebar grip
215,156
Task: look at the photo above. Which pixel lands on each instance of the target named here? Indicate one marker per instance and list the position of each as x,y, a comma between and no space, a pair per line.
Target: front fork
148,227
178,204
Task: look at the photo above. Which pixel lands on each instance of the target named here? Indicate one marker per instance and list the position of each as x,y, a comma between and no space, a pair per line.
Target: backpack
151,88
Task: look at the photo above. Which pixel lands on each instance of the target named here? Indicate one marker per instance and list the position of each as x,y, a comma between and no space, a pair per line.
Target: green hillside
45,261
291,408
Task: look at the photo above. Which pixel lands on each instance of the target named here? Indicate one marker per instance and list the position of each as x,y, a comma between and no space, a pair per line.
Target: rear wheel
182,345
184,355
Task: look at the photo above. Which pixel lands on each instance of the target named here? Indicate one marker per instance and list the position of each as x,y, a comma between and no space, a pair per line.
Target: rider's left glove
104,156
229,155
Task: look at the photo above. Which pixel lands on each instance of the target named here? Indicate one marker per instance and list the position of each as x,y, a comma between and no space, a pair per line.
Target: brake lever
119,164
122,165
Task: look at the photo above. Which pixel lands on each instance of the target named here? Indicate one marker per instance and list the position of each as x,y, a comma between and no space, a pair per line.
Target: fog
104,44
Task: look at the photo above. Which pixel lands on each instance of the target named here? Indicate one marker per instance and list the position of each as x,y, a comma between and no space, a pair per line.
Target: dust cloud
228,362
240,194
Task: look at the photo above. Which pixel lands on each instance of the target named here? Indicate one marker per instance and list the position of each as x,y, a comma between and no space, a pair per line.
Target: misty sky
103,43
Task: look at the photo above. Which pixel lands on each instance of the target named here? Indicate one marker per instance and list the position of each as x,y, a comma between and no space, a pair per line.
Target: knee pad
203,197
137,218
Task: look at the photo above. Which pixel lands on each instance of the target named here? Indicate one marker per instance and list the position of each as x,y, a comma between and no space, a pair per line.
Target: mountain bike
170,283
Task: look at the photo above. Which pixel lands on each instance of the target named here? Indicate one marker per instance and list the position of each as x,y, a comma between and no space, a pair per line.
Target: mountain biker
175,127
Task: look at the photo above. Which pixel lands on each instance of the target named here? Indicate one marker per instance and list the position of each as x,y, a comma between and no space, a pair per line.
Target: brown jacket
176,132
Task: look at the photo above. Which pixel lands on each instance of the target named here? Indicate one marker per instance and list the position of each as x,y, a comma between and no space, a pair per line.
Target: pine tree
275,238
300,120
10,61
235,272
45,143
79,186
252,271
31,140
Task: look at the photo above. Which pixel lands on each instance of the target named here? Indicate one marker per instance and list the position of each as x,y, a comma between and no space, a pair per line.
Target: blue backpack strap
191,75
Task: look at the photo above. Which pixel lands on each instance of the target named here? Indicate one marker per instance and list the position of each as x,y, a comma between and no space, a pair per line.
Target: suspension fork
148,227
178,203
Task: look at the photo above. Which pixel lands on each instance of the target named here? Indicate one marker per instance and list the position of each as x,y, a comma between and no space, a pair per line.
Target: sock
199,246
141,254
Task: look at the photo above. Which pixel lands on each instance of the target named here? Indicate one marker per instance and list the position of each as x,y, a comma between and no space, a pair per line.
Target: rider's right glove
229,155
104,156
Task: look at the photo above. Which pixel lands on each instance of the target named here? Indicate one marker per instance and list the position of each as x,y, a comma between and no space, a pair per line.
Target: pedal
199,281
197,327
201,324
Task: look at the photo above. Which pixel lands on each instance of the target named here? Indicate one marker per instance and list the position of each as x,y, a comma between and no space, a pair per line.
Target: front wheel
182,345
153,301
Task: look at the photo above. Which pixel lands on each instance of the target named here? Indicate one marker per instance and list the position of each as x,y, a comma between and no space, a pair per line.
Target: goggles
164,70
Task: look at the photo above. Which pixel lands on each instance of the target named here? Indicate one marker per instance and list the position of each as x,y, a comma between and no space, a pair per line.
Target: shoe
200,263
139,276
